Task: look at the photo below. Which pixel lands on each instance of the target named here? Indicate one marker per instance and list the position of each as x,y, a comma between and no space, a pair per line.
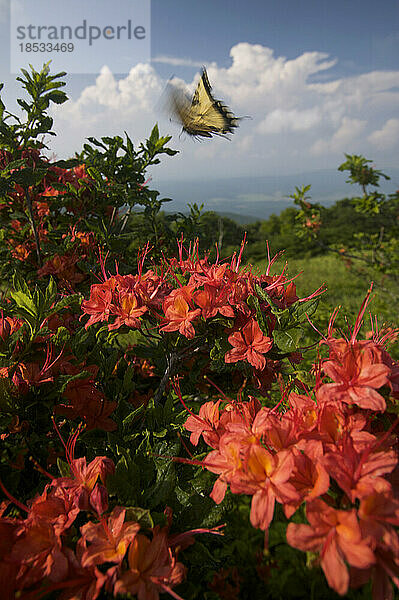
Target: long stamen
13,500
217,388
359,318
176,387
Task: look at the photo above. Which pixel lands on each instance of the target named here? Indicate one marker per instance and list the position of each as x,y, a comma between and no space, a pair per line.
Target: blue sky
361,34
318,79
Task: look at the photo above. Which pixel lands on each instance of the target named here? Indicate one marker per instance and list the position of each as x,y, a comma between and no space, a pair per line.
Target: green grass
345,287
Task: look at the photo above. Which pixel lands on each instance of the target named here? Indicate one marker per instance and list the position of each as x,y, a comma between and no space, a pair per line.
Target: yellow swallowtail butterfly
202,115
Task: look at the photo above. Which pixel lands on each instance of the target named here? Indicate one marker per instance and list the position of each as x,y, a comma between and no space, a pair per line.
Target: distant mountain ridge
250,198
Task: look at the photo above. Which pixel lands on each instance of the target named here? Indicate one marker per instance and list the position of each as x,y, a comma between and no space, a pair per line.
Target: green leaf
66,164
66,302
57,96
288,340
132,417
125,483
163,488
308,308
50,293
154,137
254,303
95,174
61,337
14,164
25,302
140,515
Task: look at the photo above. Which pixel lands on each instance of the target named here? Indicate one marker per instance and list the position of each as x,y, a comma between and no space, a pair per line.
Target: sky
318,79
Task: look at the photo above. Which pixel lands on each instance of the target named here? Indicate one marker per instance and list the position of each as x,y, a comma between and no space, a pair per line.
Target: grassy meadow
346,287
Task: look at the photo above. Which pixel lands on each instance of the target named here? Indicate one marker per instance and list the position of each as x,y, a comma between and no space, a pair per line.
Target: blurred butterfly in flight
201,115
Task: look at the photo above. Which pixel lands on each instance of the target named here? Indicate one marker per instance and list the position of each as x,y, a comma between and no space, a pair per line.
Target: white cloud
298,122
387,137
176,62
110,106
285,120
342,140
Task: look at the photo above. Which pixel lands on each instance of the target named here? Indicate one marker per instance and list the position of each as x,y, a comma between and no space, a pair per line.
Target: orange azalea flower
385,569
81,485
86,401
265,476
137,399
143,367
55,510
20,252
379,511
64,268
358,473
337,537
9,529
99,305
177,311
109,539
8,325
357,371
249,344
211,300
42,209
309,477
16,224
221,585
205,424
82,583
128,310
153,567
40,549
50,191
226,461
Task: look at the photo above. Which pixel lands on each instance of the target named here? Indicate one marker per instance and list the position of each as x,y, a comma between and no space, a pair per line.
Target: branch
32,221
171,362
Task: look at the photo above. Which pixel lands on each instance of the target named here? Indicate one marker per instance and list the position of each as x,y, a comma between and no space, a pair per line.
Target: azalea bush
173,422
326,453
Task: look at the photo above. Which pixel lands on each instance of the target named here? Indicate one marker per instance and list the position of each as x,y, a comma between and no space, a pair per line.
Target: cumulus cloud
111,106
285,120
299,120
343,138
387,137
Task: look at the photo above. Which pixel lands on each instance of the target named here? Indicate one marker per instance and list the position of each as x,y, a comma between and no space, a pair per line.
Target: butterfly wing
209,116
202,116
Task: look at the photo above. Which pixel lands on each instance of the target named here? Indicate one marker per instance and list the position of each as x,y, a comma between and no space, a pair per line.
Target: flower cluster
112,552
326,449
66,191
189,295
80,396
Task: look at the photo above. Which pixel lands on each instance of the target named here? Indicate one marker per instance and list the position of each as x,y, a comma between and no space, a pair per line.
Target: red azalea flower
212,300
249,344
357,371
99,305
128,309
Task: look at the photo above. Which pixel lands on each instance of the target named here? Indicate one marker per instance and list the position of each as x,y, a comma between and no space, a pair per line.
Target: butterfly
202,115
